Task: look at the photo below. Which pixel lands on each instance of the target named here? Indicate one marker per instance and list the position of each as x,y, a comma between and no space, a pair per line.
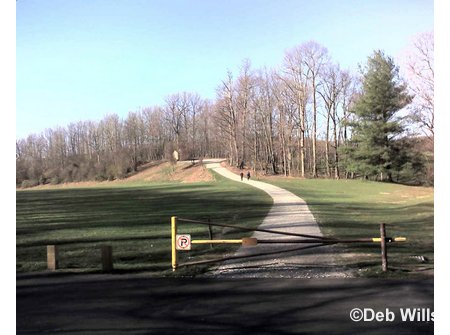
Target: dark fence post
384,259
210,232
107,261
52,257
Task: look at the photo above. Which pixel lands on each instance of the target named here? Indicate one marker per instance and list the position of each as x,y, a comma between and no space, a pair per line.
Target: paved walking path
289,213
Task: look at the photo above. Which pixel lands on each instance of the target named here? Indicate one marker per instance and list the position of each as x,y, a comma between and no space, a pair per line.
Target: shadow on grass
136,221
131,219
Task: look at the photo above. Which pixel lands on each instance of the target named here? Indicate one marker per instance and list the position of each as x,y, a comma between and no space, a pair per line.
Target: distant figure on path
241,166
242,176
248,175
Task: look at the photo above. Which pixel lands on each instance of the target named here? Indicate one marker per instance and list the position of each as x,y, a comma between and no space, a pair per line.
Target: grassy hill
133,215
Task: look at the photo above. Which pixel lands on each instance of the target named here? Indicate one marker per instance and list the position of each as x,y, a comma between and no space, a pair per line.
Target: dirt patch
196,174
409,193
80,184
150,172
158,172
183,171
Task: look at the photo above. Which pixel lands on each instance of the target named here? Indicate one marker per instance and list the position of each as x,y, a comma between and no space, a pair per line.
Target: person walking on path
248,175
242,176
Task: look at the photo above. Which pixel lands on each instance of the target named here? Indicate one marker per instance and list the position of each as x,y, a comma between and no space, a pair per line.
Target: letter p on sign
183,242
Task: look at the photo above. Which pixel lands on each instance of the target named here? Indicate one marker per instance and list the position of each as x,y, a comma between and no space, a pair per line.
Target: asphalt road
136,304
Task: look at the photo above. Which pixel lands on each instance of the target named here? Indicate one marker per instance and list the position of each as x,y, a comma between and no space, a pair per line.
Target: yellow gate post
384,257
174,245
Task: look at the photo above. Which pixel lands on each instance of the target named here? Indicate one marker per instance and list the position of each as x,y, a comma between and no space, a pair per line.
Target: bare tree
264,105
295,79
134,137
419,65
227,115
244,94
286,120
157,132
334,81
315,57
176,113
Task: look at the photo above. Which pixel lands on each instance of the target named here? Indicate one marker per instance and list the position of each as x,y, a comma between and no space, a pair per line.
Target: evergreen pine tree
376,124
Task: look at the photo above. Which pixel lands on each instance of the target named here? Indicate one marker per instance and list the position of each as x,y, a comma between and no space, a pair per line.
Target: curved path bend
289,213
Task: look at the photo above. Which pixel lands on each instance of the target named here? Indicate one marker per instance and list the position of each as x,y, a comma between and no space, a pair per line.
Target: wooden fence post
384,258
210,232
107,260
52,257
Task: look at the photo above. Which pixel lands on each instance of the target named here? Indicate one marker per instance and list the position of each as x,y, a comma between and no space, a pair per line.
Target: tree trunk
314,134
336,147
327,147
302,141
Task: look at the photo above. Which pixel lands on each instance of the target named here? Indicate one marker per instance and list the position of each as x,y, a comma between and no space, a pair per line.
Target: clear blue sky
80,60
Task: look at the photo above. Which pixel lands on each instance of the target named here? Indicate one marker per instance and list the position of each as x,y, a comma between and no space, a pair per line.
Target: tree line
308,117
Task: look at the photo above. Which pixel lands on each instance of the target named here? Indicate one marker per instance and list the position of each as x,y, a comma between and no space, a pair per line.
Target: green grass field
133,218
354,208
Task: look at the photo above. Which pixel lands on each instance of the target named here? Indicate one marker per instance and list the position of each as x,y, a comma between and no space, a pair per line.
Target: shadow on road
136,304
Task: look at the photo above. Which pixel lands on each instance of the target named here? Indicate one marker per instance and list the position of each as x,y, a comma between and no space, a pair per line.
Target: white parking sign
183,242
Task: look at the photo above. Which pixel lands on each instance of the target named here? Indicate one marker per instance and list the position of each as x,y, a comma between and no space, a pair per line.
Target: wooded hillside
302,119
